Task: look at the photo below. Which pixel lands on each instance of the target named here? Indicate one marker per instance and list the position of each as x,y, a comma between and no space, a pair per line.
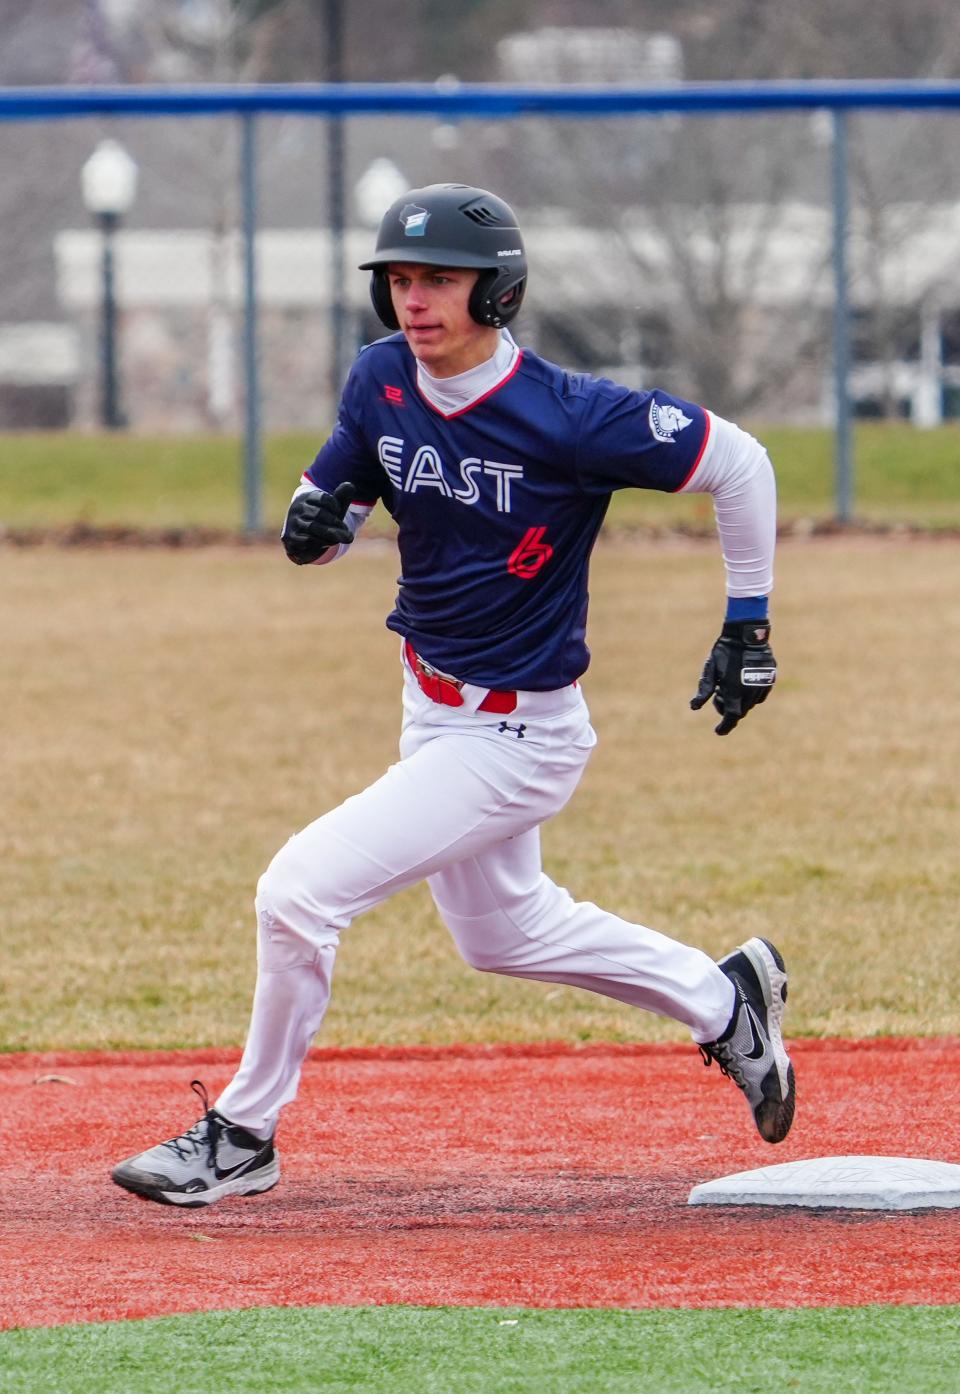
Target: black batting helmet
459,226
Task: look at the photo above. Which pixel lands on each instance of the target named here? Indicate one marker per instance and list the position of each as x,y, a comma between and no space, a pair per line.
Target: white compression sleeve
737,471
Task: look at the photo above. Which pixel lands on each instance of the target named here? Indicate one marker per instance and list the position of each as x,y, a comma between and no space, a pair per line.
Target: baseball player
498,468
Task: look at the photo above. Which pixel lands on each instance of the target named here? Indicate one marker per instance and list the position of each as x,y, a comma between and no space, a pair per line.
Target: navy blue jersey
499,505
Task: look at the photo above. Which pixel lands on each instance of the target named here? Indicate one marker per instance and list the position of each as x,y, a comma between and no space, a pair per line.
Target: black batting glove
314,522
739,673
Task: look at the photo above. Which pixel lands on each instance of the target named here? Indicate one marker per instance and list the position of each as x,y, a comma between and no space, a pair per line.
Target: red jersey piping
693,468
470,405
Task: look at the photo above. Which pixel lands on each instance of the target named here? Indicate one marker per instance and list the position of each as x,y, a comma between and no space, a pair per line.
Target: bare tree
697,212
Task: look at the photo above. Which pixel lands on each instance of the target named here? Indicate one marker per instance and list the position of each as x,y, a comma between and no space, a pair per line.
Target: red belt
440,687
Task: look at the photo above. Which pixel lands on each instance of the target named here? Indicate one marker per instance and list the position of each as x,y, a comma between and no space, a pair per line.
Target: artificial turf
444,1350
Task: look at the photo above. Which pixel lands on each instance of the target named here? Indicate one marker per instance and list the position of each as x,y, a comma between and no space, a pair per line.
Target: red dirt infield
543,1176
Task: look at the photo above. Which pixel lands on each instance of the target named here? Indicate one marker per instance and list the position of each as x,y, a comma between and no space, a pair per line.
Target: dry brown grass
170,718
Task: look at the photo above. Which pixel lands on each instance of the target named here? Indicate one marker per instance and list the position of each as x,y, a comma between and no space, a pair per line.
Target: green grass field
418,1350
170,717
50,480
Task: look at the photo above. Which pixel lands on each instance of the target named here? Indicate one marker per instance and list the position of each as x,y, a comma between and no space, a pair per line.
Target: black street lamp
380,184
109,183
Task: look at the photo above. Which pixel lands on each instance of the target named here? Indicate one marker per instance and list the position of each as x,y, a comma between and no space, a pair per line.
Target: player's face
431,305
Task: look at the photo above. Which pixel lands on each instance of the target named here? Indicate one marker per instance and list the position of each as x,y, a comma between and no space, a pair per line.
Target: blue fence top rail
489,101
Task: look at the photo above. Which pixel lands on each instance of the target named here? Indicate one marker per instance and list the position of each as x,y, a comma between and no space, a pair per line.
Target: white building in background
556,55
40,367
180,297
181,306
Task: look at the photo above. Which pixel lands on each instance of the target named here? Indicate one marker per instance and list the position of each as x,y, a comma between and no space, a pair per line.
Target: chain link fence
692,248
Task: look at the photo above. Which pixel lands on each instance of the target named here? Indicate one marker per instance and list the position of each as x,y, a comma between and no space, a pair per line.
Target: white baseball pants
461,808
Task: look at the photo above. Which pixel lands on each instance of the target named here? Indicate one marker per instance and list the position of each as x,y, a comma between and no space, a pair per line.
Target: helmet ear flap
382,299
492,306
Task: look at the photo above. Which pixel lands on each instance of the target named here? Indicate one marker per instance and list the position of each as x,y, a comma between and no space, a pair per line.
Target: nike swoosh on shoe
245,1161
760,1044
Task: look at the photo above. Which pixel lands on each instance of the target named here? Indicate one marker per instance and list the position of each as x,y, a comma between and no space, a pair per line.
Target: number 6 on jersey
530,554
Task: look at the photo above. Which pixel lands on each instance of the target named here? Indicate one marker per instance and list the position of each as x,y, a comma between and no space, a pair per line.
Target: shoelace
729,1061
726,1061
194,1139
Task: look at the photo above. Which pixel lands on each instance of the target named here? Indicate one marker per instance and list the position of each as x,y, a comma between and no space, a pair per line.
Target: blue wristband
747,607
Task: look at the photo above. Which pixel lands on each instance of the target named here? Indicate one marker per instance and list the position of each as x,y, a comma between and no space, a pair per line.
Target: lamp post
380,184
109,183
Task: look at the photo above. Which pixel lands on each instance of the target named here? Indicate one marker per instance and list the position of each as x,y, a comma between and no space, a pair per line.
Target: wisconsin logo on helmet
414,220
666,421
